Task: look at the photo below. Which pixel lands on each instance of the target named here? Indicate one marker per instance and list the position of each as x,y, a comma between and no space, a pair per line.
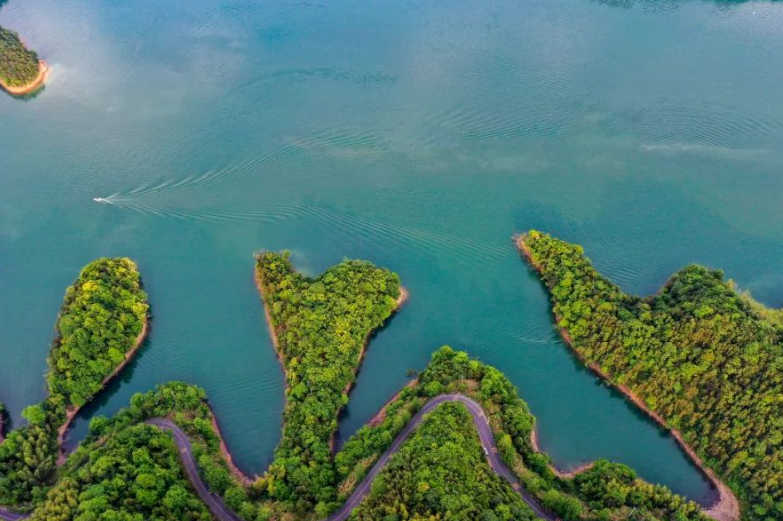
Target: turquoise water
418,135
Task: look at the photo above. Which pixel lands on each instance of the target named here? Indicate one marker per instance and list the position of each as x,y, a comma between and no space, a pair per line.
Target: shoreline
380,416
71,412
563,474
726,507
401,299
33,86
244,478
270,326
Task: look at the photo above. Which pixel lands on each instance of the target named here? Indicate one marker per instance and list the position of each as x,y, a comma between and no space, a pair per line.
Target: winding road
223,513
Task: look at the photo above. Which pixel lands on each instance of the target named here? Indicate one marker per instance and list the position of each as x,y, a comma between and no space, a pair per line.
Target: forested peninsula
21,71
131,469
102,322
703,359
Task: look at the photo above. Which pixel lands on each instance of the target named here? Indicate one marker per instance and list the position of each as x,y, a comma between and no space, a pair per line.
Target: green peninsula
701,358
101,324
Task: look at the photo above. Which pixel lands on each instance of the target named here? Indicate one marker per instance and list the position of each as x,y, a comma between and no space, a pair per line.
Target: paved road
213,501
10,516
223,513
485,434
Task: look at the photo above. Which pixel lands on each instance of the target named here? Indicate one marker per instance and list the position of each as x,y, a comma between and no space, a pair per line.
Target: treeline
18,65
321,326
101,320
697,353
441,473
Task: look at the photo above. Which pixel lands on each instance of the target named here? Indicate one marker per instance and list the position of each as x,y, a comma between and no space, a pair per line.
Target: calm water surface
418,135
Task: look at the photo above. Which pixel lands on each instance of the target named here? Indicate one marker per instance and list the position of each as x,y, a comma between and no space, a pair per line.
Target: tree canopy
18,65
100,322
321,326
698,354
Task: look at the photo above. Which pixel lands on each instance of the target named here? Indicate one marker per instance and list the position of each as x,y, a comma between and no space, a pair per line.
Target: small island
21,71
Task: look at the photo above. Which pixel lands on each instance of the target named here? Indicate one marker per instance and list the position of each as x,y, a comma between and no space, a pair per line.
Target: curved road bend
223,513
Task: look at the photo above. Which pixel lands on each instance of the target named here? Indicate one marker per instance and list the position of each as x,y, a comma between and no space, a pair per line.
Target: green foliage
700,355
441,473
135,475
101,319
27,463
18,65
452,371
322,326
34,414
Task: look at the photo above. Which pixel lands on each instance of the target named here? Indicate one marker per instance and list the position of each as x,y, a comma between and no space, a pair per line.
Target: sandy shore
37,83
272,331
71,412
727,507
398,304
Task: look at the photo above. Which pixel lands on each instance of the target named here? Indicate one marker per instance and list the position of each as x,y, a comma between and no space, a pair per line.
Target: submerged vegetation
704,358
101,321
18,65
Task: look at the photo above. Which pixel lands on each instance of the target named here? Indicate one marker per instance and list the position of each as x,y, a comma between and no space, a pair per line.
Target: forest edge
727,507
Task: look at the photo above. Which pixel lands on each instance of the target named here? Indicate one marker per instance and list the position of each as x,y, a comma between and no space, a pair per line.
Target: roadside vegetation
18,65
100,322
706,359
607,491
128,471
442,472
433,477
134,475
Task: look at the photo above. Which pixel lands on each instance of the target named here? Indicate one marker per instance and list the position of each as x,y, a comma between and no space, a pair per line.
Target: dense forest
101,320
18,65
441,473
321,326
444,453
607,491
706,359
128,471
135,475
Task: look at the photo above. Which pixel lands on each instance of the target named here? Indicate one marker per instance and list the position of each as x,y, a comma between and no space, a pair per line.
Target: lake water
417,134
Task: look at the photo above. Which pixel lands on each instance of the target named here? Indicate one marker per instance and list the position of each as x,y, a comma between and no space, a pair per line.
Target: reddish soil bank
37,83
